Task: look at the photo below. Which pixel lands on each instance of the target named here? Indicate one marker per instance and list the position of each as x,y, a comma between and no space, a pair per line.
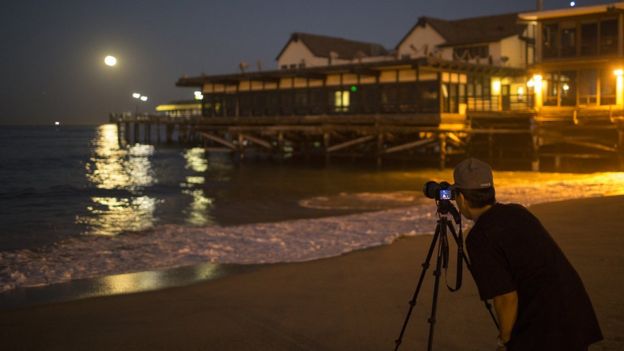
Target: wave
169,246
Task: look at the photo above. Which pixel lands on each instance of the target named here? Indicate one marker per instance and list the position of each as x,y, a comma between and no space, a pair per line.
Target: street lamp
138,96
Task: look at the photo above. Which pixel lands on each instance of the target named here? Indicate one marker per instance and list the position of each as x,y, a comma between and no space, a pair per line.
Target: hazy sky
52,51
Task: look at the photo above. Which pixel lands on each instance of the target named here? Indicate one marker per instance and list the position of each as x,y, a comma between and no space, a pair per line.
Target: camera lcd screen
445,194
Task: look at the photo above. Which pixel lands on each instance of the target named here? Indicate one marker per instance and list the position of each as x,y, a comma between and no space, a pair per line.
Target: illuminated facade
579,57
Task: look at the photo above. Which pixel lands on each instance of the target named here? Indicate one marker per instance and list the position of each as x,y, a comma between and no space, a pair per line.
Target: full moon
110,60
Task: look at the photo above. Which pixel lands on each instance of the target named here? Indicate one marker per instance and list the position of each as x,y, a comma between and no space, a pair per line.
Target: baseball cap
473,174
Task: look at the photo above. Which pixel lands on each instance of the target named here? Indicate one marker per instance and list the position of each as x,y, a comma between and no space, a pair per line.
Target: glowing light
619,72
136,95
199,95
110,60
57,123
496,86
143,98
572,3
565,87
520,90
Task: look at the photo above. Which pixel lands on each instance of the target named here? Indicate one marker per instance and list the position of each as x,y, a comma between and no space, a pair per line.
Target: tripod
440,239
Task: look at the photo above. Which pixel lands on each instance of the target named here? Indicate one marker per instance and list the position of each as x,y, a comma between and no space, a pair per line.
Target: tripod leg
412,302
436,287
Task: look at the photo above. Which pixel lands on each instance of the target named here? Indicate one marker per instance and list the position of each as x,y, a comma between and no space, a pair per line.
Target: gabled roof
321,46
485,29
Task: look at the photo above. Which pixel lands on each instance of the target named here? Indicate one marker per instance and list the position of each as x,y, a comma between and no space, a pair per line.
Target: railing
513,102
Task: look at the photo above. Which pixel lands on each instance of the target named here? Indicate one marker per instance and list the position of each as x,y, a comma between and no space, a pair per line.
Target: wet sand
353,302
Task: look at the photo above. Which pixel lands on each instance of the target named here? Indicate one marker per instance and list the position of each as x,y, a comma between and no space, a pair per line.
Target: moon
110,60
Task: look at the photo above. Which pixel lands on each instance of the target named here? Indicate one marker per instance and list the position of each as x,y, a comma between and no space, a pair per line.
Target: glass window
607,88
549,40
341,101
568,88
608,37
568,40
589,39
587,86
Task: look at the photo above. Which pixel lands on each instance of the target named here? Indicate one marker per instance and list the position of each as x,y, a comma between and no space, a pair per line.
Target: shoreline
353,301
159,278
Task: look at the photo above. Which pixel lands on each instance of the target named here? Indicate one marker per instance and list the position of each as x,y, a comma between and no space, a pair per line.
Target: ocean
74,204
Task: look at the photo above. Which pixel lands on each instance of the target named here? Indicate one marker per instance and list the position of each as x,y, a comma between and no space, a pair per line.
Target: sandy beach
352,302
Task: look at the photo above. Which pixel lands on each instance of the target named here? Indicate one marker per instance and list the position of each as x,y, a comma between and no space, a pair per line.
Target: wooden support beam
596,146
218,140
455,139
408,146
442,140
349,143
380,145
257,141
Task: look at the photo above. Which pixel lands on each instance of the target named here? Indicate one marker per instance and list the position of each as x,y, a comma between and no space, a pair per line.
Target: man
539,298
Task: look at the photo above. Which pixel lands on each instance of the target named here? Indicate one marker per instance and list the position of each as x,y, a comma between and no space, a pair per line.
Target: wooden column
127,132
326,141
442,140
241,147
136,132
148,133
169,133
380,145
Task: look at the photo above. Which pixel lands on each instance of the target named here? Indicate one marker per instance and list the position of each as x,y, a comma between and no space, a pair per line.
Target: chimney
540,5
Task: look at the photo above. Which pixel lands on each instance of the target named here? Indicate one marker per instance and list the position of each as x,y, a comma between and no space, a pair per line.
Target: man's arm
506,307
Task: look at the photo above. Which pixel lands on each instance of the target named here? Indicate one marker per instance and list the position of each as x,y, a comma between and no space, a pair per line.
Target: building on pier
578,81
542,86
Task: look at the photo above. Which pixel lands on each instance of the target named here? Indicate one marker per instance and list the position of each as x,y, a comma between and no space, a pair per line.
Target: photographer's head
474,185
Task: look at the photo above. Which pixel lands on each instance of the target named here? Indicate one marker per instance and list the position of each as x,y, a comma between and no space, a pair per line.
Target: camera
439,191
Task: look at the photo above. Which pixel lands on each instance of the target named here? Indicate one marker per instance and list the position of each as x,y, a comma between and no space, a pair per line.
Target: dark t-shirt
510,250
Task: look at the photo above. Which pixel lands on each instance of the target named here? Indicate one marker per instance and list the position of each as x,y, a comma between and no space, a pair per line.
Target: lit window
341,101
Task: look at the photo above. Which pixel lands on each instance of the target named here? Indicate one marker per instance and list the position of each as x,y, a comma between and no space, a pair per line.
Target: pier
537,140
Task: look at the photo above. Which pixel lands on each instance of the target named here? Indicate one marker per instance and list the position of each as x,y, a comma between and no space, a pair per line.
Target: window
549,40
341,101
587,85
568,40
607,88
608,37
589,39
568,88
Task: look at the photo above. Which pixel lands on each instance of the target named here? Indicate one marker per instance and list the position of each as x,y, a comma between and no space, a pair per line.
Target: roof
321,46
571,11
368,68
485,29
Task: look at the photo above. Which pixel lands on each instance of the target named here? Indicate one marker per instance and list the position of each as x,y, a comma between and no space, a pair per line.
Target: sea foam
300,240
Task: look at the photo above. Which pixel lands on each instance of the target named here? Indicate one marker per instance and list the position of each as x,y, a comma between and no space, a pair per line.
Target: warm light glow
143,98
520,91
565,87
199,95
110,60
496,86
57,123
136,95
619,72
536,83
619,90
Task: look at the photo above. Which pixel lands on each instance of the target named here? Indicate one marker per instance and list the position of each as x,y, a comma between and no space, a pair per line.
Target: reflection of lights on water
152,280
196,160
111,216
115,168
198,209
112,167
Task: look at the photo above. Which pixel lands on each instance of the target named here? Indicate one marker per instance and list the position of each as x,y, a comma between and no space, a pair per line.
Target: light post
137,97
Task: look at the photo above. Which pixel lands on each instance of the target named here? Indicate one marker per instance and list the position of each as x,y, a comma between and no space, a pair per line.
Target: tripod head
446,207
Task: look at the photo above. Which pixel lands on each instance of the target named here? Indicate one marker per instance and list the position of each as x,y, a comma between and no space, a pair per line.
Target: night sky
52,51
